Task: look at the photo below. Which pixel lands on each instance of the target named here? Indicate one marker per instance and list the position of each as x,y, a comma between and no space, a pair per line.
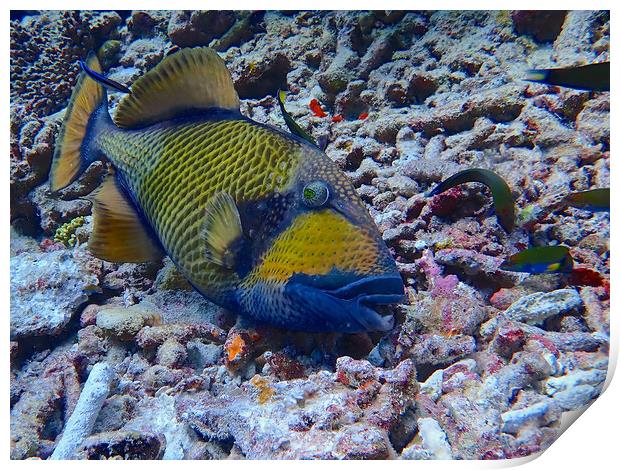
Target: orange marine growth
315,106
265,392
234,348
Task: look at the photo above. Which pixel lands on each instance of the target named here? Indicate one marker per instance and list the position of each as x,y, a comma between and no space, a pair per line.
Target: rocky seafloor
125,361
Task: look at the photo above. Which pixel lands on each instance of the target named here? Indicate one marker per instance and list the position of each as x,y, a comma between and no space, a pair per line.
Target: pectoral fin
222,230
119,234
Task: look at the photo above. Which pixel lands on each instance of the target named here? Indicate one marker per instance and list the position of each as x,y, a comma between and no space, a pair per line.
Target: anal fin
119,234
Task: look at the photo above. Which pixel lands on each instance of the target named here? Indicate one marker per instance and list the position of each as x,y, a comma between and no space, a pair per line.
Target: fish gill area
126,361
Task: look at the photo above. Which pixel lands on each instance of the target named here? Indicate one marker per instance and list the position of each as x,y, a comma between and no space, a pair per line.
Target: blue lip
376,290
349,309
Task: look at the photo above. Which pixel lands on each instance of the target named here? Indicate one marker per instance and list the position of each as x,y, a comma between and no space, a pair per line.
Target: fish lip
375,290
368,293
349,308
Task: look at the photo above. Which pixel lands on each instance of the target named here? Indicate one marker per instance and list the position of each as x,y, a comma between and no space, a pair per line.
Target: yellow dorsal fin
221,229
119,235
191,79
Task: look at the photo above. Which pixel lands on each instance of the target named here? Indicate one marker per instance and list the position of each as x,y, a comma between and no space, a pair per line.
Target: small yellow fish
91,289
259,221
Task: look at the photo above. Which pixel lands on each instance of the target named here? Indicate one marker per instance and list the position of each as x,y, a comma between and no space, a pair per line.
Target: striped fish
259,221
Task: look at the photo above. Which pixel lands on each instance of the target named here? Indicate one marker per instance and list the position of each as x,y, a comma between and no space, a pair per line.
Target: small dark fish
103,80
592,77
290,122
502,197
540,260
595,200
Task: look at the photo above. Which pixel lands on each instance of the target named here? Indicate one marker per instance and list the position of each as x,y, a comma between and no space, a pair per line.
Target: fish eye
315,194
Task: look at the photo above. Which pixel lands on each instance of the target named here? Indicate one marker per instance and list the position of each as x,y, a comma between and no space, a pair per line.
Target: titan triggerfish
260,221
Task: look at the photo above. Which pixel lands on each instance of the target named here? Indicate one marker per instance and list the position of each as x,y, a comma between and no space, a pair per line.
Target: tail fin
87,105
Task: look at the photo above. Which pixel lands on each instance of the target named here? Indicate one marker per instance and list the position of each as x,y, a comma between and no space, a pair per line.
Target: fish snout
351,308
381,289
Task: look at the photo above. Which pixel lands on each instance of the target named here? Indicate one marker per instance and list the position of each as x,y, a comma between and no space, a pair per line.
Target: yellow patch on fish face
554,267
315,244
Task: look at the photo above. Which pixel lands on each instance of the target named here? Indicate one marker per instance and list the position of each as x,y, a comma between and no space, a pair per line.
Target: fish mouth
330,306
365,298
387,289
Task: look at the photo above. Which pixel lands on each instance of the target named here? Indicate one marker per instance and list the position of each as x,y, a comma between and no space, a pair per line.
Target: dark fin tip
103,80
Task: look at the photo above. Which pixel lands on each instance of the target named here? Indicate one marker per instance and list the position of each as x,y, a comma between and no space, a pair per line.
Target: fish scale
184,166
